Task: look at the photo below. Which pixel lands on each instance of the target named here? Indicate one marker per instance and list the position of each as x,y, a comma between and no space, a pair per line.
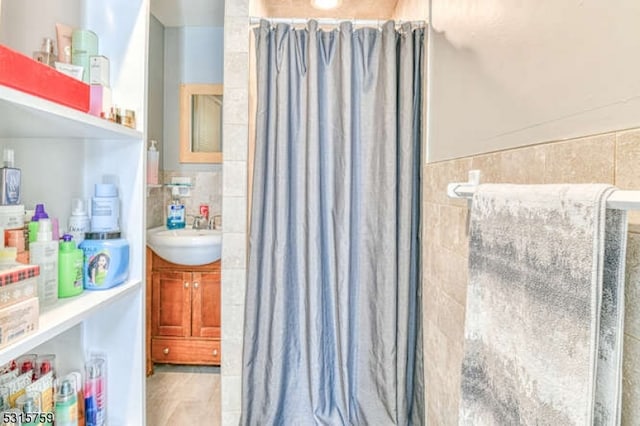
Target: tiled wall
206,189
234,202
609,158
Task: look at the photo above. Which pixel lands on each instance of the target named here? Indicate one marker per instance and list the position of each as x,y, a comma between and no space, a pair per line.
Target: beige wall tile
236,106
443,360
236,68
631,382
231,418
232,356
234,179
627,161
234,251
453,229
236,35
238,7
632,287
236,148
523,165
233,292
585,160
438,175
231,391
236,214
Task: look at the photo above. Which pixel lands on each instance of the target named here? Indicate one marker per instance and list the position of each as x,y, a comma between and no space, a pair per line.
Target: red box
27,75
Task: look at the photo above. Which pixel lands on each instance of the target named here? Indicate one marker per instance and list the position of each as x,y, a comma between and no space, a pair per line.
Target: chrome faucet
215,222
199,223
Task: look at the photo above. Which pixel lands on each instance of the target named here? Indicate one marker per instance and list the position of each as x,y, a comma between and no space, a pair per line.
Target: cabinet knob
165,351
195,285
186,284
215,352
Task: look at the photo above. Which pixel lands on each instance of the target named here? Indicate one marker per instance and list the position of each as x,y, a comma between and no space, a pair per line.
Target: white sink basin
186,246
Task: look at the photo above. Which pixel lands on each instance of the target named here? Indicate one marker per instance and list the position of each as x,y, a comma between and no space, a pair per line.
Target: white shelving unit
62,153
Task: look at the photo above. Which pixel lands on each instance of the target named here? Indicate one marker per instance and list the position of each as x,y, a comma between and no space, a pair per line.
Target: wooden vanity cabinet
185,313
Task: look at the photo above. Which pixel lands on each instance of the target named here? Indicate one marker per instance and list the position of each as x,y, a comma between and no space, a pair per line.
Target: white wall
191,55
155,101
411,10
505,74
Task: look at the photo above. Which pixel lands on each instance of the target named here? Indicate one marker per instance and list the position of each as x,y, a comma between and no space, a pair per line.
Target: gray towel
545,305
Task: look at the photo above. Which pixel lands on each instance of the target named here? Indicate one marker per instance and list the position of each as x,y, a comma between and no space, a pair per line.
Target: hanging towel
545,305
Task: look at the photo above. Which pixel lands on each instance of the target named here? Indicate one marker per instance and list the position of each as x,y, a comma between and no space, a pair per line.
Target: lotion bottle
44,253
153,157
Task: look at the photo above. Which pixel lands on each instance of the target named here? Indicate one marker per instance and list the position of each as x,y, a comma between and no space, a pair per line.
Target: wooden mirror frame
186,92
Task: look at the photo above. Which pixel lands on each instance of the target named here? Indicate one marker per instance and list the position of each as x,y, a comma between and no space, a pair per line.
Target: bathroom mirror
201,123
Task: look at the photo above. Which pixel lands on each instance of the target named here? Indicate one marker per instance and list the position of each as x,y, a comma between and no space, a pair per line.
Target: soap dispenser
153,157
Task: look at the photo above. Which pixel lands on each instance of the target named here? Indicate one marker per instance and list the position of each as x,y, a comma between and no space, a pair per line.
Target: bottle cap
78,207
8,157
45,232
106,190
39,213
153,146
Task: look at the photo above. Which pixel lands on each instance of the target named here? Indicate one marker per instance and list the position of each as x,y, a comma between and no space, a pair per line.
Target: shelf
27,116
65,314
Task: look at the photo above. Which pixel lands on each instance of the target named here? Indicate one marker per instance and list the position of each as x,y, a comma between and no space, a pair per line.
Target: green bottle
70,266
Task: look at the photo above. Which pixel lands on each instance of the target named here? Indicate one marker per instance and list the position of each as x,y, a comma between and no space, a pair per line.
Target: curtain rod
619,199
255,20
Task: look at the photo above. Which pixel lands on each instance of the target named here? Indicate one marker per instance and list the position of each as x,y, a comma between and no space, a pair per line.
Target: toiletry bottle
66,398
76,377
95,404
44,253
33,225
70,266
30,403
79,222
45,54
105,208
176,215
10,179
153,157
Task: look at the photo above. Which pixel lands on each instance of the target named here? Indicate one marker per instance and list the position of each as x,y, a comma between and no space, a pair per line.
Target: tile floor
182,395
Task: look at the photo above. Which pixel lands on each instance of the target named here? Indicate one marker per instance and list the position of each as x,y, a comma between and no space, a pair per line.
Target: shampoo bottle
44,253
70,266
10,190
153,157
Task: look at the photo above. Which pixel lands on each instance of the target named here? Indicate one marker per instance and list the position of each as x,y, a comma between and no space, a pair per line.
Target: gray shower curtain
333,303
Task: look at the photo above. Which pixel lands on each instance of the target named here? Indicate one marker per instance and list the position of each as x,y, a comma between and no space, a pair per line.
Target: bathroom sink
186,246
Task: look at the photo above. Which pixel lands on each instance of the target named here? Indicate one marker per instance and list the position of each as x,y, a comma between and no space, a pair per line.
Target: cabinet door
206,304
171,301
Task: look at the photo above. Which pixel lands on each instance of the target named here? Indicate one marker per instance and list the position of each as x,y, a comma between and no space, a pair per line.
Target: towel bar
619,199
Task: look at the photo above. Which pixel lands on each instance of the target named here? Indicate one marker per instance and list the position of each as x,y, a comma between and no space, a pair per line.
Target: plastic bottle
70,266
79,222
153,158
66,397
44,253
105,208
33,225
176,217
